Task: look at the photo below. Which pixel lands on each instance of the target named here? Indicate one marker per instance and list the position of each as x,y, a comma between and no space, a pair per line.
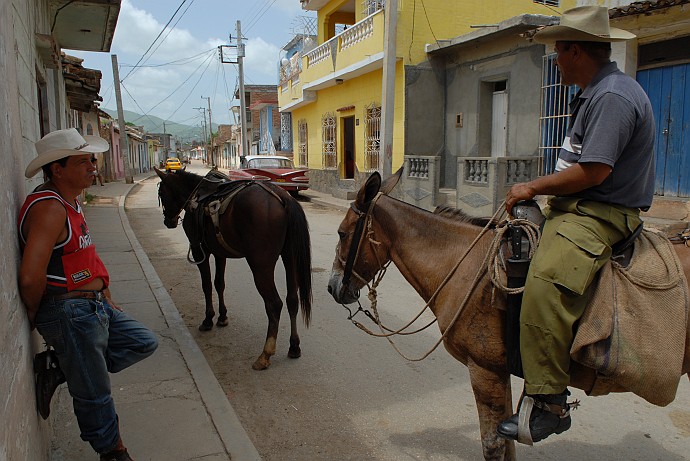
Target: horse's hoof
222,322
295,354
261,364
206,326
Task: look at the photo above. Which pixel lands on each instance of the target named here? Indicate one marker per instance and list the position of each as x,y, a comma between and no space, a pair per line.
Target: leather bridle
363,218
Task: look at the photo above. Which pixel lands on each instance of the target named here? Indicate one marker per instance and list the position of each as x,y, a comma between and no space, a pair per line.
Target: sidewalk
171,406
325,199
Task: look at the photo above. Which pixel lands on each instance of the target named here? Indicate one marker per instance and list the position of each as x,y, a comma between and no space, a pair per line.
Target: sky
182,68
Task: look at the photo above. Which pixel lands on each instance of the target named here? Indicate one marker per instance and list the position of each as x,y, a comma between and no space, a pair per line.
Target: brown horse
261,223
425,247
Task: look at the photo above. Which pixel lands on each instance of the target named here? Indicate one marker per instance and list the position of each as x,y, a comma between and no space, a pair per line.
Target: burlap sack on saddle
635,331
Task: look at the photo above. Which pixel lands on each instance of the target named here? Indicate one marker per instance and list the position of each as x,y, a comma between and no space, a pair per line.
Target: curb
233,436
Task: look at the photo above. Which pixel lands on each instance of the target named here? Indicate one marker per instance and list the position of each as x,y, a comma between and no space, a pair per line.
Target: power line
171,29
190,91
208,58
253,21
177,62
154,41
137,104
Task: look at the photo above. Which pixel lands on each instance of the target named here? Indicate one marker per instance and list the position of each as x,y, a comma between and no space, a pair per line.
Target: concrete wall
23,434
425,110
470,74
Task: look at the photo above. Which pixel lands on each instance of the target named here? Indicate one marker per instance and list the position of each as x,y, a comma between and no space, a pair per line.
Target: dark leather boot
47,376
550,415
119,453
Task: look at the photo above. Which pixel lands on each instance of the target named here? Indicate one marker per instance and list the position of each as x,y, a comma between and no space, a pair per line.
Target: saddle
635,326
212,197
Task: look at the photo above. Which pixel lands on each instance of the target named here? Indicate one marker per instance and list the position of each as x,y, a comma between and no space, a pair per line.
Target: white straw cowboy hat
583,24
63,143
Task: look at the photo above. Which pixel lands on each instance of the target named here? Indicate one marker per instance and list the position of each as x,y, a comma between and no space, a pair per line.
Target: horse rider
64,286
604,177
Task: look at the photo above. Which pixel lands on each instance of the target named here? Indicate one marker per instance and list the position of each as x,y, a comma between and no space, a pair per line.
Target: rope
497,263
374,302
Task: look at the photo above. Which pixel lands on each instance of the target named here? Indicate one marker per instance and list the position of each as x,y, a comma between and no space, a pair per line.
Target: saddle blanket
635,332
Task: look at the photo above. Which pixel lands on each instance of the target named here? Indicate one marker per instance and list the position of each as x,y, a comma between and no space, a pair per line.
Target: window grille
554,116
371,6
372,137
285,131
302,142
328,141
548,2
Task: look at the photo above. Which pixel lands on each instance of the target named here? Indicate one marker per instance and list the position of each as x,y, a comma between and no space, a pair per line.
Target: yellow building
332,89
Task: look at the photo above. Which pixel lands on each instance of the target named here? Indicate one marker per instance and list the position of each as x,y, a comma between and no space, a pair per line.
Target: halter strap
358,236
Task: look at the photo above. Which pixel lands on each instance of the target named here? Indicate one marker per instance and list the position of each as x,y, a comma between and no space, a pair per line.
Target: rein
363,221
176,218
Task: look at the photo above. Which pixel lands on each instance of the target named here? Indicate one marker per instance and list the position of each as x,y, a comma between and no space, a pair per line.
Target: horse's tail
299,246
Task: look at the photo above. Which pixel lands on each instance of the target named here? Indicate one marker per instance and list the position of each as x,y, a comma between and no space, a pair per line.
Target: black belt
97,295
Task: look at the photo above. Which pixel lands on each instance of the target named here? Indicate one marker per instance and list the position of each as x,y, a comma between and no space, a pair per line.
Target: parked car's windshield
270,163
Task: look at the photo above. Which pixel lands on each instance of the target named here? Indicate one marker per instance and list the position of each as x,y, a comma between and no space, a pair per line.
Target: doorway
349,147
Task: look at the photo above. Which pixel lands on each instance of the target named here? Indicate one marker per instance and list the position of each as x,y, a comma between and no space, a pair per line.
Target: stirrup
524,434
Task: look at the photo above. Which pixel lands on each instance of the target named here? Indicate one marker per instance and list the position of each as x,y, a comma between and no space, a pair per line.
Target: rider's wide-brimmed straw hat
583,24
63,143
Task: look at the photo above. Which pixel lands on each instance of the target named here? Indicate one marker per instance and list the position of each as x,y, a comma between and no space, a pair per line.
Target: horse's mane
188,177
458,215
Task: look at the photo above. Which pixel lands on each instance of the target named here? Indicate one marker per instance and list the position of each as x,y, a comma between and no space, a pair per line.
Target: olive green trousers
575,243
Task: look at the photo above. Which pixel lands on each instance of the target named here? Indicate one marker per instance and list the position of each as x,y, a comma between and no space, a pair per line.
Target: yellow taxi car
172,164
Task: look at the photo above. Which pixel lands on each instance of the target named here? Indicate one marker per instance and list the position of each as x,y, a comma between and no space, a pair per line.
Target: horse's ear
391,181
159,173
369,189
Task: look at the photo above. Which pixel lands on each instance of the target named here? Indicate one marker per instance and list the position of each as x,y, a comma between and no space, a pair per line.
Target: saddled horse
261,223
426,247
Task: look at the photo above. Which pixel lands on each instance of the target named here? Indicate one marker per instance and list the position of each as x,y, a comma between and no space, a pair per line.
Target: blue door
669,91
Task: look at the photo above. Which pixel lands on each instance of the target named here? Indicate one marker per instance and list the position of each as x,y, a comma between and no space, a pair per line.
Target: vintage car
172,164
279,170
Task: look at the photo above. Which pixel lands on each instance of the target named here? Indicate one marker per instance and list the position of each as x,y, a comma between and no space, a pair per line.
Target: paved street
350,396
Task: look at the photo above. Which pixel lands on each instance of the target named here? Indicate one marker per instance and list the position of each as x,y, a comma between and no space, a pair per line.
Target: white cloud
137,29
261,62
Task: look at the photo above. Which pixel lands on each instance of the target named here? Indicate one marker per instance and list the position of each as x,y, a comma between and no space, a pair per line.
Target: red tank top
74,261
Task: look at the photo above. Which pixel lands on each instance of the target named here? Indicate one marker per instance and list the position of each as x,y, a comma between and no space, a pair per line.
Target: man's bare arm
576,178
44,226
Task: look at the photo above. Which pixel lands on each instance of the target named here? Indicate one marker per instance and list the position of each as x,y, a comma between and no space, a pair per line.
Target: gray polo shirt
612,123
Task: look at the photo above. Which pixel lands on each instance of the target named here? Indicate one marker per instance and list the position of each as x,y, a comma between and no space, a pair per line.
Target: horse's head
358,254
170,198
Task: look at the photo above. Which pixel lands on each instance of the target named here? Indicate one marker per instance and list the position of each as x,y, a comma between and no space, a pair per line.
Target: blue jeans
91,339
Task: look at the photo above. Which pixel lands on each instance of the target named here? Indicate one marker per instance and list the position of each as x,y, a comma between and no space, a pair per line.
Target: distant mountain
153,124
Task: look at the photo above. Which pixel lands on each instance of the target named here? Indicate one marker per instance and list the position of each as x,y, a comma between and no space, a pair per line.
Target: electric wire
177,62
208,58
137,104
154,41
170,30
255,21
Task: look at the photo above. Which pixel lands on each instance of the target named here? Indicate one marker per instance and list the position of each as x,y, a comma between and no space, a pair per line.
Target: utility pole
229,60
204,110
243,104
124,149
210,131
388,93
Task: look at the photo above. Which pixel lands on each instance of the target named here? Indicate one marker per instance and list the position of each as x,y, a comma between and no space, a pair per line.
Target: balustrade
518,171
477,171
419,167
320,53
357,33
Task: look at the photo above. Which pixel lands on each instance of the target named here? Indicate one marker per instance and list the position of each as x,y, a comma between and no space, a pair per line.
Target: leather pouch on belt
573,257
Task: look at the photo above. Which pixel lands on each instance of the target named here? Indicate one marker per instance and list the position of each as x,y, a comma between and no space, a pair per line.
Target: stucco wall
425,109
351,98
468,76
23,434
